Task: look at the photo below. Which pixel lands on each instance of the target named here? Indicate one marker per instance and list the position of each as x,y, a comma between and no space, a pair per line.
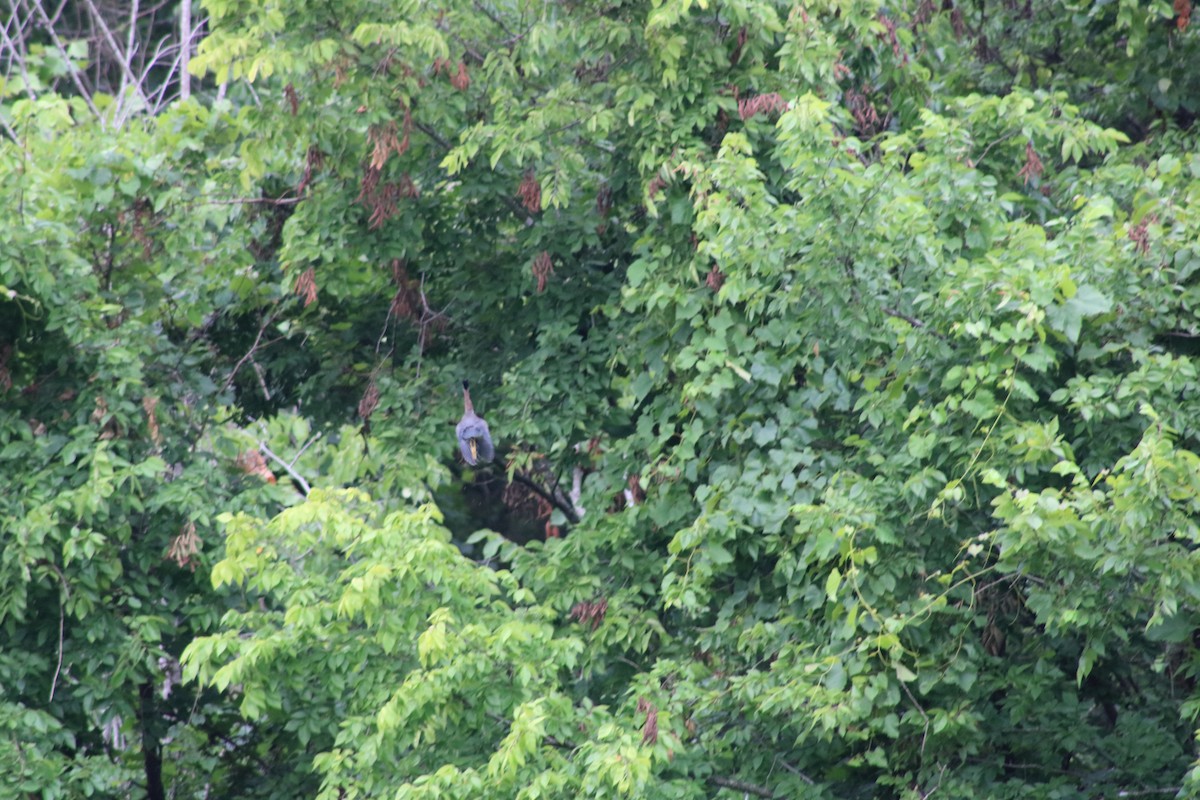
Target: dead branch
305,488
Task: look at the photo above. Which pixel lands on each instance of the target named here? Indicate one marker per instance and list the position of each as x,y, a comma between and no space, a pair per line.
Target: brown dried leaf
715,279
385,141
306,286
1033,165
650,729
530,192
369,401
150,403
762,104
252,462
293,99
184,546
543,268
461,80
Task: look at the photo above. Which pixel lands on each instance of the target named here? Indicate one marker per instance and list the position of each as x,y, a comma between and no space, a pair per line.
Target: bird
474,438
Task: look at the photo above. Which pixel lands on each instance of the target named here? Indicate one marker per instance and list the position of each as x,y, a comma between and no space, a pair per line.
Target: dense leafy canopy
840,359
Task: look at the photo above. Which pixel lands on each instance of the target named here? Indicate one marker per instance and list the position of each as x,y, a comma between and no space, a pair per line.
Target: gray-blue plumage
474,438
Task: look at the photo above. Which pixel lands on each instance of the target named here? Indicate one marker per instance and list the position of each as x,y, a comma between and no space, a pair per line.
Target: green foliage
850,346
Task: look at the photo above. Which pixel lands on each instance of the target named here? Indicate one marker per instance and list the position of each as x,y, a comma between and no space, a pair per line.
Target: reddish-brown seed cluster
314,161
293,99
1033,165
715,279
866,118
761,104
530,192
185,546
460,80
382,198
306,286
656,185
650,728
1140,234
542,269
590,612
459,77
889,33
150,406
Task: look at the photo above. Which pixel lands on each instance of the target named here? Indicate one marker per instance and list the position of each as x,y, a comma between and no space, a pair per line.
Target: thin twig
487,12
274,201
516,207
253,349
306,445
62,619
921,711
801,775
123,59
74,73
916,323
982,155
10,43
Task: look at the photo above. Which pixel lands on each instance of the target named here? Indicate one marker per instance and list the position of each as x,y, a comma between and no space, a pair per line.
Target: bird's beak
474,449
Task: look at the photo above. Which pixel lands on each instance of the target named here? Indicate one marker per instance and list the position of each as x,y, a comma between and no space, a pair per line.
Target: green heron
474,438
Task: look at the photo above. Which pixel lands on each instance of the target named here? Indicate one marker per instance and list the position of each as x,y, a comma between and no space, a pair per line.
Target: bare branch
74,73
14,44
124,58
549,495
62,614
296,476
253,349
798,773
305,446
271,201
185,39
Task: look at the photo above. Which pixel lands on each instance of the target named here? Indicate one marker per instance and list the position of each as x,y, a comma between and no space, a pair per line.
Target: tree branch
487,12
74,73
741,786
185,37
516,207
253,349
62,614
916,323
549,496
123,59
296,476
